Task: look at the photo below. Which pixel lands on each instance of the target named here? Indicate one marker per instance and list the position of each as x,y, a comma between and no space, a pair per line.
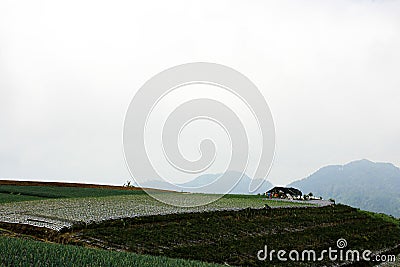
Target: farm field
234,237
216,237
59,213
133,229
10,197
12,193
24,252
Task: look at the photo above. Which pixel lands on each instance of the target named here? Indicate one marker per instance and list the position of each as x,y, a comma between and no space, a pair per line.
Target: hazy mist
68,71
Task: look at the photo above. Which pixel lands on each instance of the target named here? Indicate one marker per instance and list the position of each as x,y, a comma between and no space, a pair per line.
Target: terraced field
235,237
62,213
216,237
144,232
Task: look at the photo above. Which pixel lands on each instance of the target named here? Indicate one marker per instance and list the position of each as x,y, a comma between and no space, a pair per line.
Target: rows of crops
21,252
15,197
9,193
57,214
235,237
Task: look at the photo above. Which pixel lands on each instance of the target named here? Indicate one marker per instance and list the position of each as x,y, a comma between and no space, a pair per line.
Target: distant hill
363,184
241,188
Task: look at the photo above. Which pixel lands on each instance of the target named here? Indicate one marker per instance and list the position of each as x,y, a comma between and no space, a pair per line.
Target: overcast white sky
68,71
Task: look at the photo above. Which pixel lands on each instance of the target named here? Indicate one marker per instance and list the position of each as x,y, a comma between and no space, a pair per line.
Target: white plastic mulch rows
57,214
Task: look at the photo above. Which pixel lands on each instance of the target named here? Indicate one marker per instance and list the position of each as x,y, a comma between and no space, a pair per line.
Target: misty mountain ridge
242,187
194,186
364,184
